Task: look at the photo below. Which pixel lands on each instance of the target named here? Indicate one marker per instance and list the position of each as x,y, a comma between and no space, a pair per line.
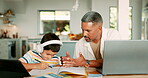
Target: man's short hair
93,17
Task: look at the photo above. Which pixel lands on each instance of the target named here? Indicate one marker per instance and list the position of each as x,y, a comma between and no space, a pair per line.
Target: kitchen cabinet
10,49
3,49
23,46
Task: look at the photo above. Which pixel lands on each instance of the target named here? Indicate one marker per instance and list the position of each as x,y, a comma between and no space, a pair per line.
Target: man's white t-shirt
85,48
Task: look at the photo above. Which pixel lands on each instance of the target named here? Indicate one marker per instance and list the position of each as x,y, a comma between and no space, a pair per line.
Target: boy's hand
42,65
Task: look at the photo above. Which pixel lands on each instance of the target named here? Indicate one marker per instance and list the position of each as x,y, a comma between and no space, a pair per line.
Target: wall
26,19
104,11
1,11
137,19
26,13
144,19
102,6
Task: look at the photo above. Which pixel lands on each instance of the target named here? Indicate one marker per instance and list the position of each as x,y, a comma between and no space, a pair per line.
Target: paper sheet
41,72
57,70
73,70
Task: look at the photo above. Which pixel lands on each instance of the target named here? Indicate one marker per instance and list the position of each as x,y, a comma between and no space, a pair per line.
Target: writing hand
42,65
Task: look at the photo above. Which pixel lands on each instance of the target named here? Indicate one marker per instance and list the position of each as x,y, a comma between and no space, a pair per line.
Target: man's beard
87,39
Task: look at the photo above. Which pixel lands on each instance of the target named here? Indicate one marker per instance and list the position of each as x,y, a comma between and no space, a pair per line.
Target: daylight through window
54,21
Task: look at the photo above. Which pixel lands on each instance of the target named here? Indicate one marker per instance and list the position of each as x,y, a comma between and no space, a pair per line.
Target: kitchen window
54,21
114,19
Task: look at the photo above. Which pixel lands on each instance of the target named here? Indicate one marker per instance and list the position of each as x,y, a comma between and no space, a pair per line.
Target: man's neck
98,38
96,41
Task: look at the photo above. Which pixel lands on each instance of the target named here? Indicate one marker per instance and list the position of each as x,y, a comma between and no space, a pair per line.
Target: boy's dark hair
52,47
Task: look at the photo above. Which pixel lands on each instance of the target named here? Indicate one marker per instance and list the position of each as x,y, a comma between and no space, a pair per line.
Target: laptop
125,57
12,69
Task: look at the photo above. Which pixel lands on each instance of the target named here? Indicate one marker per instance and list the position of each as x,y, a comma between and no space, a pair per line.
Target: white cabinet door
10,49
3,49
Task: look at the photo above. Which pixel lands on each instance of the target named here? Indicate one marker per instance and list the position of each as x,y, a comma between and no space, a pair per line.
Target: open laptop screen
12,69
125,57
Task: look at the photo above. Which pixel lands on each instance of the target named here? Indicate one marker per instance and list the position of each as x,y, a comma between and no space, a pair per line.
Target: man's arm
80,61
96,63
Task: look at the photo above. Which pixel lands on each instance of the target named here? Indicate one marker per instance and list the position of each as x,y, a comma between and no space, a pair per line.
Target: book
48,75
73,70
59,71
95,76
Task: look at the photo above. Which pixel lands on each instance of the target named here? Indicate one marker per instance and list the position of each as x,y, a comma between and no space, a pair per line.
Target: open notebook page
57,70
41,72
73,70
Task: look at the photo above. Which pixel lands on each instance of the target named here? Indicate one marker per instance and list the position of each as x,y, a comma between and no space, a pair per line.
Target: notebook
12,69
60,70
125,57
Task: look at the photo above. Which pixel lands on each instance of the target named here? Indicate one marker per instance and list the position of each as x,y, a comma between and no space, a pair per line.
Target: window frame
40,29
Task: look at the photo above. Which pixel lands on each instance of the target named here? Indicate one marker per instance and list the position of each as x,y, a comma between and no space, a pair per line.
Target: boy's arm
41,65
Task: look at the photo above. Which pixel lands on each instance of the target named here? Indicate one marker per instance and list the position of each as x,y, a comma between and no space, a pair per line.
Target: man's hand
80,61
67,60
67,57
70,62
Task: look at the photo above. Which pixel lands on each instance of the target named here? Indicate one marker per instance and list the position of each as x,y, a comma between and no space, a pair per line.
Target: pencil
40,62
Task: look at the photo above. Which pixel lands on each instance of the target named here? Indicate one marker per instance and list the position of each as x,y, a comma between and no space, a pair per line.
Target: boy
44,55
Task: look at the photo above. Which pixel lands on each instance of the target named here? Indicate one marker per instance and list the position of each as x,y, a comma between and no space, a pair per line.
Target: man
89,49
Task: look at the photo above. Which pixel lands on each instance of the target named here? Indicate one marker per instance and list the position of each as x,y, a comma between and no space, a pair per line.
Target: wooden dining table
91,70
93,73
